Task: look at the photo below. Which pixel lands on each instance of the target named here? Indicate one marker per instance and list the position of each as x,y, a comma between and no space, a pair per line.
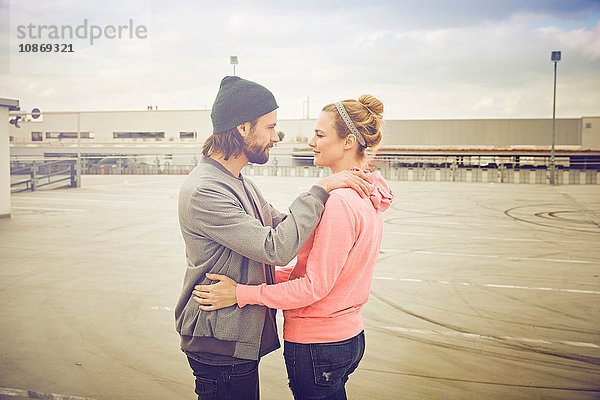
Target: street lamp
556,58
233,60
307,102
78,171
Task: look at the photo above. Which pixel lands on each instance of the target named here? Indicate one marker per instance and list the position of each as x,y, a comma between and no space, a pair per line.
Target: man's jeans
229,382
320,371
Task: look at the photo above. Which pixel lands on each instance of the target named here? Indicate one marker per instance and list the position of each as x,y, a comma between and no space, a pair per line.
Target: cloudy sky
423,59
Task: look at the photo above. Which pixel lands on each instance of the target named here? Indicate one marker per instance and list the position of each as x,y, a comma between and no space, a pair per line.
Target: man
228,228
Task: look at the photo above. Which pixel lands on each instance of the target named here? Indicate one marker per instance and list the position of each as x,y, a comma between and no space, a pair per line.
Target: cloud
583,41
424,59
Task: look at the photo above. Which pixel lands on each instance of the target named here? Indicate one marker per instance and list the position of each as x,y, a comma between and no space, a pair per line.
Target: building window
36,136
12,138
588,125
69,135
138,135
187,135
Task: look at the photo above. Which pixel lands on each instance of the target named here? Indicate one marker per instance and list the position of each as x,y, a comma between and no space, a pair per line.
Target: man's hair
226,144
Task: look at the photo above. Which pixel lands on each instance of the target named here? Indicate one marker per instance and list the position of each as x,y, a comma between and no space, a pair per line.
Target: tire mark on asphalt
588,367
513,385
510,213
30,394
587,213
495,338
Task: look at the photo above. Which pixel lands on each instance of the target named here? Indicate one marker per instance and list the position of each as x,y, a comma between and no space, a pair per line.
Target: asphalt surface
481,291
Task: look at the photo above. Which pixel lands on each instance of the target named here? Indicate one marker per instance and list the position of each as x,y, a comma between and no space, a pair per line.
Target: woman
323,293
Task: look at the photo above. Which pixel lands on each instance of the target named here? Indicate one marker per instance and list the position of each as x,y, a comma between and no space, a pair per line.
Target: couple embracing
235,238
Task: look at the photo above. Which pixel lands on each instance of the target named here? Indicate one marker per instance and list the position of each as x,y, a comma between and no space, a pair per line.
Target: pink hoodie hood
381,195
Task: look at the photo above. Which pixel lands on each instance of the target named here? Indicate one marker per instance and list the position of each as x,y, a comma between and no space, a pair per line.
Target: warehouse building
177,135
195,125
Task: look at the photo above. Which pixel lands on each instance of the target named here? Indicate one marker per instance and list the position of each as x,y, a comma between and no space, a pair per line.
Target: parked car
113,162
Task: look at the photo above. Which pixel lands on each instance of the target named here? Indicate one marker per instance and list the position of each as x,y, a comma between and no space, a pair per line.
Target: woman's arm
223,294
334,238
217,214
282,274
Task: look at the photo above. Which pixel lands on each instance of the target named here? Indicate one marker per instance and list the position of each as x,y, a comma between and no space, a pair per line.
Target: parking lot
481,291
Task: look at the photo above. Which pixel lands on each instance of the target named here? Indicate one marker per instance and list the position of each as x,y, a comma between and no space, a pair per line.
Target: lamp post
233,60
78,171
307,102
556,58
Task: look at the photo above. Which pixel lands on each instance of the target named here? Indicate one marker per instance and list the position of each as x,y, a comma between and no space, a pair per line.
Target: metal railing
402,168
452,173
35,174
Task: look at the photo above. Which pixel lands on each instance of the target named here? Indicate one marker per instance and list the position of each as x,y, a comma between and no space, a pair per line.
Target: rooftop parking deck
481,290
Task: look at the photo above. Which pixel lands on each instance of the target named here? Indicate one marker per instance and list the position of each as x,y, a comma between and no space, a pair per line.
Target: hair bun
372,104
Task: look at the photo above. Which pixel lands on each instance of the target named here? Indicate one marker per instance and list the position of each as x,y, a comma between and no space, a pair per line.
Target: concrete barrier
417,173
574,177
591,177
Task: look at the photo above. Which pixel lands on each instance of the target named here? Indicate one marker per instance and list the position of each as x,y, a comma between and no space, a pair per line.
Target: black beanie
240,101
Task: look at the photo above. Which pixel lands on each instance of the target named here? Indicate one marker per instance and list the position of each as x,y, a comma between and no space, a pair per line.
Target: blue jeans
321,370
228,382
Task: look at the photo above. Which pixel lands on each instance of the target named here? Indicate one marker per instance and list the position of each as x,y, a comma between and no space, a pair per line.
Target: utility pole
556,58
307,102
78,172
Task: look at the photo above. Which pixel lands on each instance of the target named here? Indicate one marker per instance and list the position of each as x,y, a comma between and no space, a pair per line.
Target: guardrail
453,173
38,174
398,168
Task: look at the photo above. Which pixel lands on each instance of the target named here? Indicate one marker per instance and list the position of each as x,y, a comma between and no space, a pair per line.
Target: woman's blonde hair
366,114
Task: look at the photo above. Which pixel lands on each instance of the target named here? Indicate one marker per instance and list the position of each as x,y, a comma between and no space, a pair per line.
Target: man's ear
244,129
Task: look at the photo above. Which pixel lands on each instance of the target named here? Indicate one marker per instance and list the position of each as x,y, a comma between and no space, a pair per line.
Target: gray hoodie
228,228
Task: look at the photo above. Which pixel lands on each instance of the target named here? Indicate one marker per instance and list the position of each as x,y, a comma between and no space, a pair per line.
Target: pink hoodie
323,293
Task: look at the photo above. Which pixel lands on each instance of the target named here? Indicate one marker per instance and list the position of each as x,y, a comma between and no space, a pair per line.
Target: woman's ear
243,129
349,142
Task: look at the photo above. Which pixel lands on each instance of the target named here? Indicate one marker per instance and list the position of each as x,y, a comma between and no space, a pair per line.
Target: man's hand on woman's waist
216,296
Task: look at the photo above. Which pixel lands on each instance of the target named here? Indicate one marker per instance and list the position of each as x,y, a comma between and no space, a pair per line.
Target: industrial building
177,135
195,125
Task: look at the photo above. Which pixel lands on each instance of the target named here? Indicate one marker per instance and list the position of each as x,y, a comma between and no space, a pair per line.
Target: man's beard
255,153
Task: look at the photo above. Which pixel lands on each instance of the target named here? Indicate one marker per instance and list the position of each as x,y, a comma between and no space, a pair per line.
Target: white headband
344,114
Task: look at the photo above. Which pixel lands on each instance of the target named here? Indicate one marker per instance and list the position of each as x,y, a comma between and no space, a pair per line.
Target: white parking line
489,256
478,336
545,289
46,209
444,236
71,199
30,394
554,260
162,308
492,285
456,223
